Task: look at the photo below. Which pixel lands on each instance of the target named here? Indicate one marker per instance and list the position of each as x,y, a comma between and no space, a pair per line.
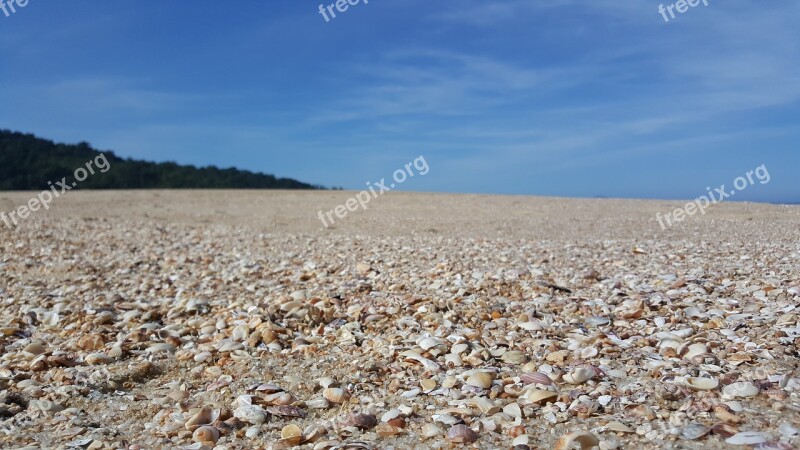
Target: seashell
279,398
589,352
725,413
427,363
453,360
47,406
462,434
116,351
531,326
326,382
97,358
250,413
644,412
206,433
748,438
361,421
740,389
318,403
387,430
513,410
579,375
619,427
161,347
486,406
428,343
514,357
597,321
202,356
335,395
724,429
35,348
49,318
427,384
694,350
694,431
240,333
536,378
268,336
521,440
701,383
788,430
391,414
202,417
586,440
286,411
291,435
482,379
541,396
431,430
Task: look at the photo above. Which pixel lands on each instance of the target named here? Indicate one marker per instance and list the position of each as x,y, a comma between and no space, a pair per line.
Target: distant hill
28,163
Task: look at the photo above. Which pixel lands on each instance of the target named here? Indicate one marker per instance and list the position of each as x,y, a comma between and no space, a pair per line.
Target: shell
431,430
536,377
335,395
318,403
695,350
740,389
514,357
203,417
579,375
362,421
585,439
326,382
35,348
748,438
541,396
291,434
206,433
702,383
462,434
116,351
251,414
97,358
482,379
694,431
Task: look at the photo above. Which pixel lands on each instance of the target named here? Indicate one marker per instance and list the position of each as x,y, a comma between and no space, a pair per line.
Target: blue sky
548,97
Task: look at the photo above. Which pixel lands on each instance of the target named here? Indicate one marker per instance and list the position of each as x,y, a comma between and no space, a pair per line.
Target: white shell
579,375
702,383
748,438
740,389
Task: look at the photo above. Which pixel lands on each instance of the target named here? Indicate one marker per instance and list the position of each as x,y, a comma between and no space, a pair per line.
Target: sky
572,98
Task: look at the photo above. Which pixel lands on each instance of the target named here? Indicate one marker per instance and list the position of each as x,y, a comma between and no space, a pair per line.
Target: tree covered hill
28,163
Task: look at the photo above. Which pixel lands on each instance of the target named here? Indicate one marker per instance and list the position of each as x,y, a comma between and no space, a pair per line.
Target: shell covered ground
234,319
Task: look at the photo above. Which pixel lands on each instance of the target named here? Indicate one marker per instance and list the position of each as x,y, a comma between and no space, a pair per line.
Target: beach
155,319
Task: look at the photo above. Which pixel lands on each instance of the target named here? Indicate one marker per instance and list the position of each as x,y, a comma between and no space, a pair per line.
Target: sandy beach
142,319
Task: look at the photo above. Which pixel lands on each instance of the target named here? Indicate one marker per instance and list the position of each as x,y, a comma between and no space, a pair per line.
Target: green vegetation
28,163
